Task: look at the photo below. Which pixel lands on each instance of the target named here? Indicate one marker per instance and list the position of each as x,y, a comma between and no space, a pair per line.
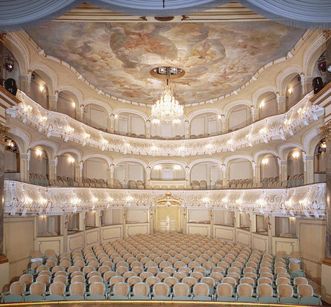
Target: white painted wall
296,95
167,130
223,217
96,116
126,171
129,123
205,124
240,169
267,105
295,166
270,169
239,116
198,215
168,171
38,165
67,103
36,92
64,168
95,168
134,215
209,171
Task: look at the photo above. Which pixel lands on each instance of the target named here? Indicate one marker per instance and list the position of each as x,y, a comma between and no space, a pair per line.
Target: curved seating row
164,267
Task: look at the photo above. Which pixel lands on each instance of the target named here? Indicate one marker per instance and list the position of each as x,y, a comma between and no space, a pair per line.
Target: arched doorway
167,214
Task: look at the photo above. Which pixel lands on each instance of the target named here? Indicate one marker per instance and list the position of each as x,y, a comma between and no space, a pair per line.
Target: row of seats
38,179
160,291
164,267
272,182
62,181
295,181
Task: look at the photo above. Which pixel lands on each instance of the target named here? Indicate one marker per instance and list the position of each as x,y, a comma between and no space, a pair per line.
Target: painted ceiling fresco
117,57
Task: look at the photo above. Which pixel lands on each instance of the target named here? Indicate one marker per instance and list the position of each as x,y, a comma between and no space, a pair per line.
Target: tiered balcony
275,128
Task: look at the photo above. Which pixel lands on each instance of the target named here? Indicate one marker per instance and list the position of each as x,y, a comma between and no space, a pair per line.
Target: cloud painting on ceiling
117,57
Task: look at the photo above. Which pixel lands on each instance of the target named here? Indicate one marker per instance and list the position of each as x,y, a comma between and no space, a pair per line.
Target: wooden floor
148,303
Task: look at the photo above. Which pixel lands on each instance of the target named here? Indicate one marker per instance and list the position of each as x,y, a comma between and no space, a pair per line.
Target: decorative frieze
23,198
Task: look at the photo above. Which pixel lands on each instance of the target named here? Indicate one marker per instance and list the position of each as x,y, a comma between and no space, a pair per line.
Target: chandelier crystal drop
167,108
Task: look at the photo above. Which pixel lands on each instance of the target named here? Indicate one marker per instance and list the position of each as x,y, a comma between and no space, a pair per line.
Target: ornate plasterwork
278,127
22,198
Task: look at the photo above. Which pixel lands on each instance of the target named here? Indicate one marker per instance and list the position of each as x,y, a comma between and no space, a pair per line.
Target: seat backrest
197,275
97,288
116,279
245,290
209,281
78,278
267,274
285,290
224,289
264,280
134,280
283,281
152,280
95,279
43,279
60,278
201,289
140,289
37,288
57,288
189,280
265,290
76,288
305,290
161,289
217,276
247,280
16,288
229,280
170,281
27,279
121,288
181,289
300,281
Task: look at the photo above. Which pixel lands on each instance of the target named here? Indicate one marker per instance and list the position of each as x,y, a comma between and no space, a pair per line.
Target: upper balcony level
273,128
201,123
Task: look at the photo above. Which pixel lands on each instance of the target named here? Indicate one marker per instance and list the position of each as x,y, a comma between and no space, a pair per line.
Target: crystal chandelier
167,108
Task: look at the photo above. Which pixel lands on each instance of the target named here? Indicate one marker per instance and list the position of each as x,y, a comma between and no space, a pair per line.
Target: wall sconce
158,167
41,88
290,90
38,152
9,64
296,154
176,167
73,104
262,104
265,161
71,160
